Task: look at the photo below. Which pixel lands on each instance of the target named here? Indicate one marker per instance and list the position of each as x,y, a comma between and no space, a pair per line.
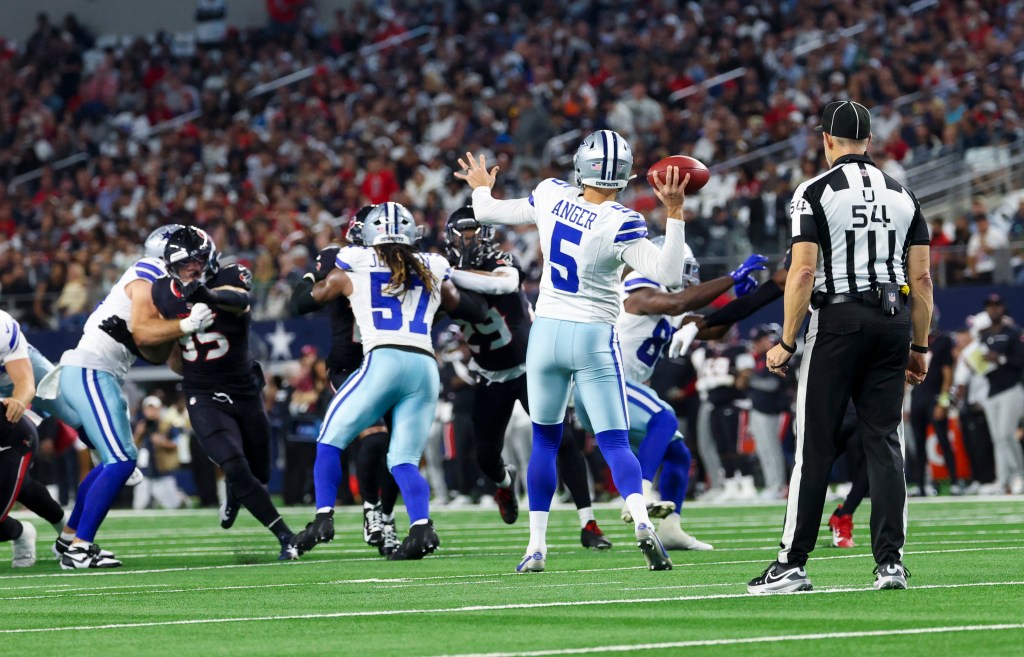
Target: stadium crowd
180,130
177,131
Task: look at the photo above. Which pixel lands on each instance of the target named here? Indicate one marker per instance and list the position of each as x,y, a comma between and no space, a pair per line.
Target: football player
499,359
90,378
221,380
395,291
645,326
376,485
586,238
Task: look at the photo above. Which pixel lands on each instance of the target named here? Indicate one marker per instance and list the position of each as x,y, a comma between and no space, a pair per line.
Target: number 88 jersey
643,338
217,359
384,318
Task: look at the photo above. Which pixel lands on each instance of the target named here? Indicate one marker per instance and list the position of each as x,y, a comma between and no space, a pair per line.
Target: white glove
682,339
198,320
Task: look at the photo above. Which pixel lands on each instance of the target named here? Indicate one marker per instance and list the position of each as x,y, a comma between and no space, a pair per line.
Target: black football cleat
508,505
373,528
593,538
321,530
421,541
229,510
288,550
389,542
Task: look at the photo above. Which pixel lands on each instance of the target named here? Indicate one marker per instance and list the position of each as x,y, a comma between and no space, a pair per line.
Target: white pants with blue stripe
99,401
561,352
643,404
403,382
56,407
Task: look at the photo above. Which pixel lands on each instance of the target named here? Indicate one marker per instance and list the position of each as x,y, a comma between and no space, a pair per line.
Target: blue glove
745,286
751,264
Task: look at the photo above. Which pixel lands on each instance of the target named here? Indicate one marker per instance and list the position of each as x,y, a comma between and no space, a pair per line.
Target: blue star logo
166,234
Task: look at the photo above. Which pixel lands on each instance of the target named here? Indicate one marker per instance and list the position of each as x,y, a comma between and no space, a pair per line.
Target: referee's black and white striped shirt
864,223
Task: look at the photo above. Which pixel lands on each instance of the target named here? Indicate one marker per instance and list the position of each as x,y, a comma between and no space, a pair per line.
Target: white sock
586,515
324,509
648,487
538,532
67,536
59,525
507,481
367,505
421,521
672,519
387,517
638,507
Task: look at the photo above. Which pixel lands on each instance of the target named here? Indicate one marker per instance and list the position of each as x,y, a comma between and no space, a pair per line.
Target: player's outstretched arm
664,265
648,301
744,307
486,208
503,280
464,305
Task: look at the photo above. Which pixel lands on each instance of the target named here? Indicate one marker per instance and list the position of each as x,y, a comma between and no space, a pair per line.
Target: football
699,174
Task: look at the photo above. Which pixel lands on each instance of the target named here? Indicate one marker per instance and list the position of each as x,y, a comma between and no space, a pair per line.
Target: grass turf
189,586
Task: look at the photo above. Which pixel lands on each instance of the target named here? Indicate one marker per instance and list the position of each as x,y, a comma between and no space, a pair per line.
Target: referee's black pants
852,351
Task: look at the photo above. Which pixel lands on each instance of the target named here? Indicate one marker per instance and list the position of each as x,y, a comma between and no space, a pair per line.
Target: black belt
819,299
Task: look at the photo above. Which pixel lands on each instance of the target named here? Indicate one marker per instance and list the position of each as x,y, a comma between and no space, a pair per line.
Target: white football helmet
604,160
157,241
389,223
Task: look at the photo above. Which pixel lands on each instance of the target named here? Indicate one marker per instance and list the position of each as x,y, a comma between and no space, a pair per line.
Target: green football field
190,588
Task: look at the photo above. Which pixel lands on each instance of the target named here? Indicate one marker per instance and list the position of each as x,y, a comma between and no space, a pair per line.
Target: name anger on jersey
574,214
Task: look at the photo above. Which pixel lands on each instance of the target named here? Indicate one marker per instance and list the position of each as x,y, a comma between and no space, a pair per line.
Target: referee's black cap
846,118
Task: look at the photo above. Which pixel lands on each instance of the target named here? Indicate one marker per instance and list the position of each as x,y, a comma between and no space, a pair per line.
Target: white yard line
471,609
334,562
636,647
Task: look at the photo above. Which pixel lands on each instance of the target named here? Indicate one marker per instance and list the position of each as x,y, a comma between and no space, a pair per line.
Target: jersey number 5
570,280
190,346
387,310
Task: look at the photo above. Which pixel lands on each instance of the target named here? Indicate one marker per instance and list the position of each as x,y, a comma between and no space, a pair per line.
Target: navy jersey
346,350
719,369
499,342
217,359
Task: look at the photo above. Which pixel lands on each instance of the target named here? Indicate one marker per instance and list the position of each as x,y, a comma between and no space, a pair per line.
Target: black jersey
499,343
718,372
217,359
346,350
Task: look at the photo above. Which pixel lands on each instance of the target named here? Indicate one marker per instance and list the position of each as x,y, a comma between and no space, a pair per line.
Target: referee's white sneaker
891,576
780,578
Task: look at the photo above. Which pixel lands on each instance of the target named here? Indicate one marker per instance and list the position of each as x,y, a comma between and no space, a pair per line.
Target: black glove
117,328
194,292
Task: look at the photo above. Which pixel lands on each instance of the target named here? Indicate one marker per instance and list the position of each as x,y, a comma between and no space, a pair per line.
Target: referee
860,259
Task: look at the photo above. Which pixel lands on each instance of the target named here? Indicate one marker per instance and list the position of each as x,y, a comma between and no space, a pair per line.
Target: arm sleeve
489,210
918,228
801,214
232,298
472,308
15,346
302,301
744,307
506,282
663,266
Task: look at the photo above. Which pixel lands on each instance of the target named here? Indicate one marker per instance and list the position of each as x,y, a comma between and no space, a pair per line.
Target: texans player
220,378
499,358
376,485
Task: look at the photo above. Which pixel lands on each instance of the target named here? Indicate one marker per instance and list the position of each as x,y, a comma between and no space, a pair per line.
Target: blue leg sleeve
415,491
675,477
326,474
82,495
614,444
660,430
542,475
101,497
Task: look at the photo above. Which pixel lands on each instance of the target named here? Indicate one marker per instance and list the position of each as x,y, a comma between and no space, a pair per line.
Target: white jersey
582,245
97,350
384,318
643,338
13,345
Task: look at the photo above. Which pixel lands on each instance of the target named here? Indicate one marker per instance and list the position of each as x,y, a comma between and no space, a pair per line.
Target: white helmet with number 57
603,160
389,223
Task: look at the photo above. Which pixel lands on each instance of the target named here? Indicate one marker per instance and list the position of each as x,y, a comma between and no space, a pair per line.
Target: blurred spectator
982,250
158,458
